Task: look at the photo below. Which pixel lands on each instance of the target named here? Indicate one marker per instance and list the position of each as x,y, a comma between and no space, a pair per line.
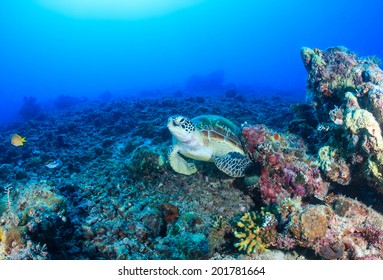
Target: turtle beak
172,122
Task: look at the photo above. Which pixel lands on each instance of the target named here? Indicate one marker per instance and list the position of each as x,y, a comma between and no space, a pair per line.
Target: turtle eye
182,120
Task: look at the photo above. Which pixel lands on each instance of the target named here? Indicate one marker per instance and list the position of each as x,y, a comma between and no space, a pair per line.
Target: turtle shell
217,129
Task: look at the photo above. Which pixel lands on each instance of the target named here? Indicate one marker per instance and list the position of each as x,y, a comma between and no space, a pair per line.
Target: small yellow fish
17,140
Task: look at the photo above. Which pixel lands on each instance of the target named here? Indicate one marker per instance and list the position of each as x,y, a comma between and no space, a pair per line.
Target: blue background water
45,52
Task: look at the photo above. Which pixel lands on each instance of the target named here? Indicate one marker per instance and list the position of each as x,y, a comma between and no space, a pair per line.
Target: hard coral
310,224
34,214
341,228
286,169
359,227
347,92
334,165
147,163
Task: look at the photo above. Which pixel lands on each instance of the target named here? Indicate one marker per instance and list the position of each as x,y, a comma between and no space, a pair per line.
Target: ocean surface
102,155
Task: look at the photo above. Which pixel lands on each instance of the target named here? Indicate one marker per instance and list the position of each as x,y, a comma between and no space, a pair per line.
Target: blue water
85,51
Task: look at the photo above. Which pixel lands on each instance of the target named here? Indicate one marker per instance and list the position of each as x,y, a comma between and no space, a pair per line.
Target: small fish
17,140
54,164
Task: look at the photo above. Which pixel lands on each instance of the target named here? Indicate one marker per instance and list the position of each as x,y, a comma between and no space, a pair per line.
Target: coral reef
33,220
122,200
285,168
114,195
347,92
343,228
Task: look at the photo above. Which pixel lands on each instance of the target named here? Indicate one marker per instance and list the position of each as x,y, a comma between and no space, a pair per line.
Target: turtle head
181,128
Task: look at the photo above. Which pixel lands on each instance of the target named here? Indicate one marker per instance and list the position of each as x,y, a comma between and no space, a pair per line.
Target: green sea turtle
206,138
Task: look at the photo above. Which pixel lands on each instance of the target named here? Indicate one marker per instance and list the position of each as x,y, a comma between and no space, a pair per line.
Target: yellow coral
357,120
253,236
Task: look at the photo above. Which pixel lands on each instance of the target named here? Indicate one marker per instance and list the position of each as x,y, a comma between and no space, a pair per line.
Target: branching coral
256,231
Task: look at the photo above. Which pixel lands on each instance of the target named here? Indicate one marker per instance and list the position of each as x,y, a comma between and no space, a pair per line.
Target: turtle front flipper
233,164
179,164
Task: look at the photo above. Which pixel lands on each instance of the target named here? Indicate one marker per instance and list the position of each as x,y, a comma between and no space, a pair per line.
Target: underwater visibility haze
191,129
84,48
